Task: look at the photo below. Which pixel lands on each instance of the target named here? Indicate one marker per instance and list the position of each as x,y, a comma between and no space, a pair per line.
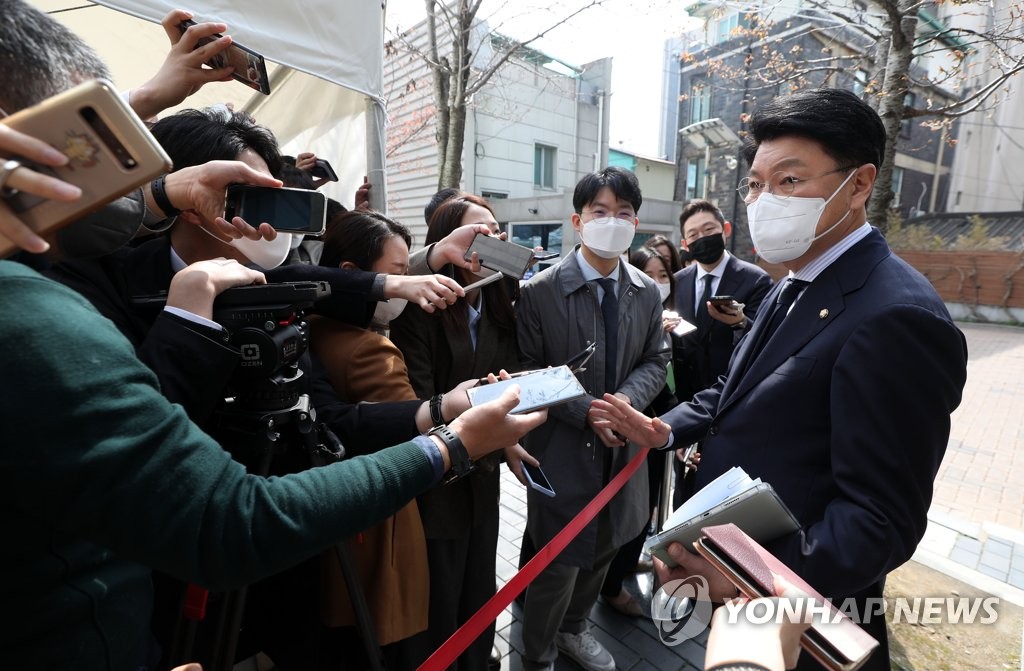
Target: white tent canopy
324,60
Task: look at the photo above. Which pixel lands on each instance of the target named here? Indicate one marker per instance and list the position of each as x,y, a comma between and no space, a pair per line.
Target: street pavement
976,523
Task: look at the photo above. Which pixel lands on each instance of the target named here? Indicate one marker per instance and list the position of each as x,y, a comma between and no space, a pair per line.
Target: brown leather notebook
836,641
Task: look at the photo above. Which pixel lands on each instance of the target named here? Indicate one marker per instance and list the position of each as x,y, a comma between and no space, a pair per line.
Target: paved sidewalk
976,524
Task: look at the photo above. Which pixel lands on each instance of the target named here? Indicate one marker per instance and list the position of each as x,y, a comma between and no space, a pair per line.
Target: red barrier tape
446,655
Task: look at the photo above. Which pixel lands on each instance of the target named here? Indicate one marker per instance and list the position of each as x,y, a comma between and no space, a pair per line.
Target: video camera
266,322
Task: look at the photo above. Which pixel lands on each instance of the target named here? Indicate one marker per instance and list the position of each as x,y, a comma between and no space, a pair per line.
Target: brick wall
973,278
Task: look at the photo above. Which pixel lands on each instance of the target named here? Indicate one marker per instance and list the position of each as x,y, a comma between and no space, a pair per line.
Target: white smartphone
537,389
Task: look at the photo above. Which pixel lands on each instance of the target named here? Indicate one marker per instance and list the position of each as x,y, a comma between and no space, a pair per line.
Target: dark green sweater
103,479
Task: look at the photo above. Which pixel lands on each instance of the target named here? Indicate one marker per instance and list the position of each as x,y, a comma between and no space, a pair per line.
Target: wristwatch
461,463
436,418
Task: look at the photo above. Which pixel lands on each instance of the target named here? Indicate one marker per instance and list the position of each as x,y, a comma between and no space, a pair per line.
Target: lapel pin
823,314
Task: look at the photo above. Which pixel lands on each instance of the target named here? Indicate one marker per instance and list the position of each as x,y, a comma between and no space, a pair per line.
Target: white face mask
607,237
266,254
388,310
664,289
782,229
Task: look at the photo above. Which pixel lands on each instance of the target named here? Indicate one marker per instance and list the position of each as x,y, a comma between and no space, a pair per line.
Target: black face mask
708,249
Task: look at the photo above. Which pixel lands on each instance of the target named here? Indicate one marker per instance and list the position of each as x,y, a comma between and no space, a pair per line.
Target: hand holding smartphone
248,67
109,150
294,210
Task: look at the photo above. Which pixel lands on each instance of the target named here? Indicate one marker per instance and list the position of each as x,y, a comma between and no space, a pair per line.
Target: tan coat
391,557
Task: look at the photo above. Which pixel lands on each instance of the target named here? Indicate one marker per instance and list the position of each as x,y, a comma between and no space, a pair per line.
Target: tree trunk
903,20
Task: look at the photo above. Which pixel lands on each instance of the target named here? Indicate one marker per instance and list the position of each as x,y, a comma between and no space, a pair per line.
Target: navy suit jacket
846,412
699,357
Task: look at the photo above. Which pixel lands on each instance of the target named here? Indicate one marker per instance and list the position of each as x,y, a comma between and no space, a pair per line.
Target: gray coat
557,316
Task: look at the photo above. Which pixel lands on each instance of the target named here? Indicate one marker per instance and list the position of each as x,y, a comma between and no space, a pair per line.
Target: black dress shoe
494,661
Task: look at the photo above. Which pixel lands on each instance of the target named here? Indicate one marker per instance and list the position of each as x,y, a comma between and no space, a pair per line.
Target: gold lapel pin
823,314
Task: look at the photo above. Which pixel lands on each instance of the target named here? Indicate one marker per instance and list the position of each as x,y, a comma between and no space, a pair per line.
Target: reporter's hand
305,161
456,401
15,143
615,414
775,644
182,72
515,455
195,287
488,427
453,247
362,199
430,292
202,189
689,564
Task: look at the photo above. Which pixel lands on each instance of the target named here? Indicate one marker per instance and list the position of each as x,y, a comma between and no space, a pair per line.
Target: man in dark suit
840,399
699,357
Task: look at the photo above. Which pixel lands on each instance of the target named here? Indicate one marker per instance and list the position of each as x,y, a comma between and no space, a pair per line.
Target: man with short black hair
590,296
840,396
699,357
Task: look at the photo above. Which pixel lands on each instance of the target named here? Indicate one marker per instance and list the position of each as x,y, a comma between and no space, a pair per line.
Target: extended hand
14,143
453,247
201,188
182,72
430,292
488,427
515,455
617,415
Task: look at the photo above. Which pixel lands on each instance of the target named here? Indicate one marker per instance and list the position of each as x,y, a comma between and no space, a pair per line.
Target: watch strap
461,463
157,187
436,418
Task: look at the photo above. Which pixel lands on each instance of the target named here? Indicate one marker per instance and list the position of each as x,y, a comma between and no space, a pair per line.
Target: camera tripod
256,438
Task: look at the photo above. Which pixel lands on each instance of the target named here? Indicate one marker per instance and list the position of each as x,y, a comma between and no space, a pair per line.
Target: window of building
860,82
695,178
724,27
700,100
908,101
494,195
544,165
548,236
897,186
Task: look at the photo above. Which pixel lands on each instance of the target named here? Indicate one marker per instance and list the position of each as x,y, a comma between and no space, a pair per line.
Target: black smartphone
508,258
323,170
537,480
250,68
722,300
544,256
293,210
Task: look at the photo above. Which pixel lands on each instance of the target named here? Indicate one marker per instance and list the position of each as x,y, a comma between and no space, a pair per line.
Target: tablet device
758,511
538,389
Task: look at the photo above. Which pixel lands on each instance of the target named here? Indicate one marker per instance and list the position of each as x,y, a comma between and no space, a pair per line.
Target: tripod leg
360,608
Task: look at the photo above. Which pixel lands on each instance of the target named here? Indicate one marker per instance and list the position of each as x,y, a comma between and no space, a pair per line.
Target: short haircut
358,236
622,182
40,57
846,127
294,177
441,196
699,205
193,137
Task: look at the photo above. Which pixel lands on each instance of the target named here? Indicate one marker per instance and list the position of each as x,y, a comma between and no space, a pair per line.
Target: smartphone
323,170
294,210
110,150
544,256
250,68
722,300
537,480
508,258
537,389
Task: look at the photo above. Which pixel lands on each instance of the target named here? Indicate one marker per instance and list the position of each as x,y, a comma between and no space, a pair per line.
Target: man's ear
577,223
863,182
348,265
726,229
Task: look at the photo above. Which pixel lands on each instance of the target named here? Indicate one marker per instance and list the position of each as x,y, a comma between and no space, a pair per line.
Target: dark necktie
610,313
703,318
784,301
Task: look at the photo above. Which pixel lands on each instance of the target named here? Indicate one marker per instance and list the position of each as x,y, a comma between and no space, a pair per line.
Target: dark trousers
462,579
